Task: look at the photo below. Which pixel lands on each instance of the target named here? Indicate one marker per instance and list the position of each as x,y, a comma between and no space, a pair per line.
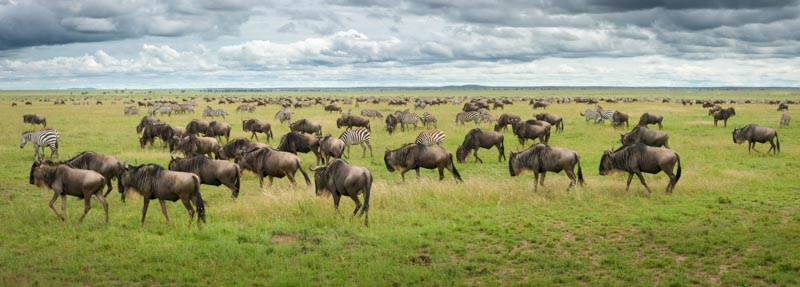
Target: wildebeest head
605,163
513,163
461,153
320,182
738,135
388,158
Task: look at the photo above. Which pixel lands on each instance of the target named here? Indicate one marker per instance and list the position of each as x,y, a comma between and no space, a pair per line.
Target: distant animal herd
208,162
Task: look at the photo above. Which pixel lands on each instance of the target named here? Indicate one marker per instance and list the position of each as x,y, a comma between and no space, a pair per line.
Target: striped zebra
41,138
371,113
284,115
428,120
606,114
431,137
406,118
214,113
469,116
357,136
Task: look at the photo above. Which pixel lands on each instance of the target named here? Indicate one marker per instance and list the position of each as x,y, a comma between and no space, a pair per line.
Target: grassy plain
734,218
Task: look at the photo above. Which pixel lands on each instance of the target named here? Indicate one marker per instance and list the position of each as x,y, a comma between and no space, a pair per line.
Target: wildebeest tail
238,182
201,205
580,172
367,191
305,175
678,174
455,171
777,142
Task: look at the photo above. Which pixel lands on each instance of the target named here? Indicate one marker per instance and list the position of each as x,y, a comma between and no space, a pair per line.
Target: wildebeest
541,158
333,108
234,148
306,126
650,119
146,120
476,139
782,106
192,145
196,127
785,119
295,142
350,121
64,180
646,136
525,131
539,104
34,120
723,115
391,123
157,130
211,171
415,156
331,147
107,166
218,130
343,179
638,158
618,118
555,120
154,182
753,134
506,119
257,126
271,163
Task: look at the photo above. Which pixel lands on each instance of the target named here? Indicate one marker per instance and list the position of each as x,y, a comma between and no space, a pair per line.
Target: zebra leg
364,151
36,151
370,148
348,151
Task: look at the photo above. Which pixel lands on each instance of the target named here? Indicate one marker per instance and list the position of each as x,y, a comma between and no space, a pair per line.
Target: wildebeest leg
772,147
441,173
630,178
417,170
261,181
109,186
87,205
477,159
403,174
572,179
102,200
144,208
290,176
188,204
254,135
641,178
753,144
336,198
358,204
270,181
52,201
535,180
659,126
544,172
164,209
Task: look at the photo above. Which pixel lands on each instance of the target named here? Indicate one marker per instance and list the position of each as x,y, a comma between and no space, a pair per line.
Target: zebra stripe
357,136
431,137
407,118
214,113
41,138
428,119
468,116
606,114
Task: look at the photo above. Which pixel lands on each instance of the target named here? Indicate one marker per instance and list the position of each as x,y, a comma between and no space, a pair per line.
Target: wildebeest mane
191,164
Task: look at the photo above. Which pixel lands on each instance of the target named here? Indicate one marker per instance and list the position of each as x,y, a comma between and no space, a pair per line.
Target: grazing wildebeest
257,126
650,119
234,148
350,121
34,120
638,158
218,130
271,163
642,134
753,134
295,142
541,158
157,130
555,120
782,106
592,115
192,145
107,166
391,123
154,182
331,147
196,127
415,156
343,179
525,131
306,126
540,104
64,180
785,119
506,119
211,171
333,108
618,118
476,139
723,115
145,121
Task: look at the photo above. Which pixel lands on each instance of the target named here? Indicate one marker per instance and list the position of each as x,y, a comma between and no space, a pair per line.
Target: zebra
406,118
431,137
606,114
284,115
469,116
41,138
357,136
428,119
371,113
592,115
208,112
165,110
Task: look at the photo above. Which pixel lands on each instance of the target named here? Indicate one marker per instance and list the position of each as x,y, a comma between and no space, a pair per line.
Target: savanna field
733,219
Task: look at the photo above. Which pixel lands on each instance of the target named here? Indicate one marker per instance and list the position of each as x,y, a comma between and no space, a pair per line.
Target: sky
146,44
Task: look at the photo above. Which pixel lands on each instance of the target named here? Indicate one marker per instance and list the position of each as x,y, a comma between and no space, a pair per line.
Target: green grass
734,218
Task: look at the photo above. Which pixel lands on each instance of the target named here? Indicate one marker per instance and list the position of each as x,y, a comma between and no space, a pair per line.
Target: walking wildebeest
257,126
541,158
525,131
391,123
333,108
753,134
415,156
271,163
64,180
34,120
145,121
723,115
785,119
211,171
618,118
646,136
350,121
154,182
650,119
196,127
234,148
476,139
331,146
295,142
192,145
306,126
218,130
506,119
638,158
343,179
107,166
555,120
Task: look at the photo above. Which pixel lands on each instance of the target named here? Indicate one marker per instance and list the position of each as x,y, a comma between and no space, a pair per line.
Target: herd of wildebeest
206,161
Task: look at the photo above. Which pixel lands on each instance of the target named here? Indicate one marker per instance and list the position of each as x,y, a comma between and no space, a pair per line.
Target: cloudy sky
56,44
